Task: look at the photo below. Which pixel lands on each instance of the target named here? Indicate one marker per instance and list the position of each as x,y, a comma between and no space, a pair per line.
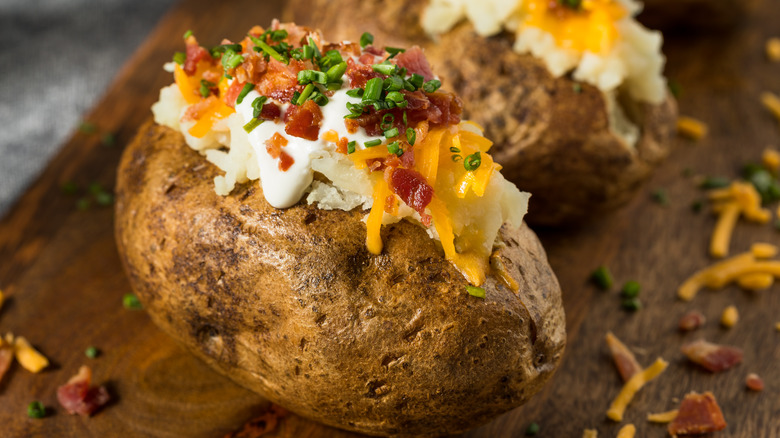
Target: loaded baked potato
580,150
421,335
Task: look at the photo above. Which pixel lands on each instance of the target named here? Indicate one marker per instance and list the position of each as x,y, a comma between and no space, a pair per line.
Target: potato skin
290,304
552,140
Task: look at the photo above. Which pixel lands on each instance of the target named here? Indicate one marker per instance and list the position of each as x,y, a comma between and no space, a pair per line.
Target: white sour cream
284,189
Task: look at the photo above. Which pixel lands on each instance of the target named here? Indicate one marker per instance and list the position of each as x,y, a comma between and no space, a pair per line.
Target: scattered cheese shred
729,317
374,221
773,49
740,198
29,357
772,103
627,431
216,111
770,158
721,237
663,417
777,326
691,128
618,406
2,298
762,250
756,281
590,433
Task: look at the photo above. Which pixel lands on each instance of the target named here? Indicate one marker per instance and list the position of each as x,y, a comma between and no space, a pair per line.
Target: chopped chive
131,302
577,87
305,94
88,127
696,206
319,98
602,278
393,83
475,291
257,106
571,4
95,188
631,304
36,409
431,86
330,59
225,48
387,121
395,148
417,81
394,51
205,87
91,352
268,50
83,204
660,197
630,289
309,76
404,119
714,182
187,34
308,52
366,39
372,143
411,136
385,69
456,158
244,91
390,133
252,124
532,429
675,88
355,92
336,72
315,50
69,188
472,161
232,60
351,147
395,96
179,58
334,86
454,150
373,89
108,139
104,199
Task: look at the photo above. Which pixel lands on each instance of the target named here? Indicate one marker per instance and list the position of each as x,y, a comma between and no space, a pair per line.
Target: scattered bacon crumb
624,359
414,60
259,426
699,414
713,357
275,144
195,54
303,120
729,317
754,382
412,188
78,397
691,321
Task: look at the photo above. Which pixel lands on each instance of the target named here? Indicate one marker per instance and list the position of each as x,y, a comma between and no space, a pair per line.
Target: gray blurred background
57,57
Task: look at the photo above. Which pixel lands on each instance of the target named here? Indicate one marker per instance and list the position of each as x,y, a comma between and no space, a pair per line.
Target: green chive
416,80
395,96
257,106
330,59
431,86
244,91
454,150
69,188
696,206
36,409
95,188
392,132
269,50
577,87
373,89
602,278
252,124
532,429
187,34
88,128
411,136
372,143
179,58
766,184
385,69
205,87
351,147
232,61
355,92
631,304
108,139
472,161
309,76
675,88
475,291
104,199
336,72
394,51
456,158
366,39
630,289
131,302
334,86
571,4
308,52
226,49
315,50
660,197
404,119
387,121
83,204
393,83
319,98
305,94
714,182
395,148
91,352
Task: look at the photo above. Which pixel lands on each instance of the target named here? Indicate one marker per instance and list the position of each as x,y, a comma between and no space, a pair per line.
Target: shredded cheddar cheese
770,158
777,326
691,128
721,237
773,49
772,103
756,281
663,417
2,298
762,250
740,198
618,406
729,317
374,221
590,433
29,357
627,431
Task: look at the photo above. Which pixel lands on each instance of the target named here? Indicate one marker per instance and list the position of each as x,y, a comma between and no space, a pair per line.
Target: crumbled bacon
275,144
698,414
197,110
231,95
412,188
691,321
195,54
359,73
252,69
280,80
376,51
435,108
261,425
754,383
624,359
6,357
77,397
343,145
714,358
270,111
303,120
414,61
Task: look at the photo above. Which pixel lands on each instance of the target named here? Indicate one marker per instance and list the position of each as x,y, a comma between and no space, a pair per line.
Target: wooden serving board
65,284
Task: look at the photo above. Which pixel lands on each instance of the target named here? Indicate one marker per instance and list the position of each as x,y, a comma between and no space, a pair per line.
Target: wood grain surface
65,283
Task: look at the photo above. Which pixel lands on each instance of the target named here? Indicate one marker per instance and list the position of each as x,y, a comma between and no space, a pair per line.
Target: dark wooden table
65,284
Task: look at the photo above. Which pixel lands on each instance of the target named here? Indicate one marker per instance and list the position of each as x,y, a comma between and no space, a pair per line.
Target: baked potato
555,137
293,304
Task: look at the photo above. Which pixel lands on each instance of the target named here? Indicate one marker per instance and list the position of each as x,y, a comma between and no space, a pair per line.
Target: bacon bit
6,357
196,111
412,188
367,58
280,81
271,111
275,144
303,121
624,359
78,397
414,61
714,358
261,425
391,205
754,382
691,321
343,145
439,109
285,161
359,74
232,93
195,54
699,414
663,417
252,69
729,317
